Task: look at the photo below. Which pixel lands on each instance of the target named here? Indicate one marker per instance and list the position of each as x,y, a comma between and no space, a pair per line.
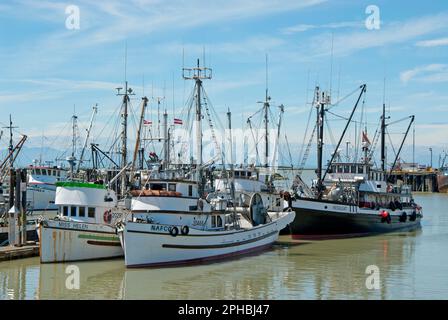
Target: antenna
125,60
173,92
331,62
159,99
267,77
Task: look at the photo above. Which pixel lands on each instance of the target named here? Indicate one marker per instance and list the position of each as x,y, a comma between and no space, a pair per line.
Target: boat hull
152,245
323,220
41,197
63,241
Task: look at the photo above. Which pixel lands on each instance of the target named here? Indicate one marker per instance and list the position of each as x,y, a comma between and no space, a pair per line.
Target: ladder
307,152
298,182
212,129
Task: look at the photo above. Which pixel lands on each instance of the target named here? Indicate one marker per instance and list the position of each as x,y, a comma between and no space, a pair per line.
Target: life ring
185,230
107,216
174,231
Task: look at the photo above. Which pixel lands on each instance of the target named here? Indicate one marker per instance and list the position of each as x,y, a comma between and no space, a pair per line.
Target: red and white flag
365,139
178,121
147,122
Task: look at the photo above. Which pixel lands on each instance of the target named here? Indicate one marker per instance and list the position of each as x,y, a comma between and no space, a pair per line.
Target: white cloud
389,34
433,43
427,73
336,25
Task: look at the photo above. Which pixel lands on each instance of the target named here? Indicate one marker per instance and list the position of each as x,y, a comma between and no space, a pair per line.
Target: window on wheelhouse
82,211
171,187
353,169
73,211
157,186
213,221
360,169
346,169
190,190
219,221
91,212
339,169
44,172
65,211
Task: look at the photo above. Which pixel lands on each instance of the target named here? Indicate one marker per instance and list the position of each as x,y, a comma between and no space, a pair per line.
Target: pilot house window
65,211
82,211
91,212
190,190
73,211
157,186
172,187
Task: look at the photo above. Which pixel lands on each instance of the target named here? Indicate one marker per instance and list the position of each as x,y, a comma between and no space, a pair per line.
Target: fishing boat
41,187
84,228
190,229
174,221
351,198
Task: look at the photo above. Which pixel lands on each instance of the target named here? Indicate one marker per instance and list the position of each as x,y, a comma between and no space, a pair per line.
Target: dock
12,252
419,180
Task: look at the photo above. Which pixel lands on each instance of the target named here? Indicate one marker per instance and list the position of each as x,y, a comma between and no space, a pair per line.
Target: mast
320,137
232,183
198,74
124,131
72,159
266,119
139,130
402,143
383,139
166,141
11,146
81,158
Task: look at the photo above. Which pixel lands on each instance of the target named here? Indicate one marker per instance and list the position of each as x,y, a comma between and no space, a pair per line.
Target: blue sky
48,70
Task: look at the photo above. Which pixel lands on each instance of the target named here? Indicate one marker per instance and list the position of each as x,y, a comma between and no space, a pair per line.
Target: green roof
73,184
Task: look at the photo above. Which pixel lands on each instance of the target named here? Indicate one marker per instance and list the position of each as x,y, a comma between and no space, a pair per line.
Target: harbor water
411,265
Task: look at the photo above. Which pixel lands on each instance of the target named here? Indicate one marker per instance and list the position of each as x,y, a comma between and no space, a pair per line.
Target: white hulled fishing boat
174,222
41,187
173,227
84,228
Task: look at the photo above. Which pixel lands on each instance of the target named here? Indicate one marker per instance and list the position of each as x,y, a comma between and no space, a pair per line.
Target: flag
365,139
177,121
146,122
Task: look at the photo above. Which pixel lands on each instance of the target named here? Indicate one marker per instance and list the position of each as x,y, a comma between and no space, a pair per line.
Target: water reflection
411,266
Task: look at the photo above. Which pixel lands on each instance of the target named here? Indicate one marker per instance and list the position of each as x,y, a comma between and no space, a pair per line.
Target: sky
52,66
